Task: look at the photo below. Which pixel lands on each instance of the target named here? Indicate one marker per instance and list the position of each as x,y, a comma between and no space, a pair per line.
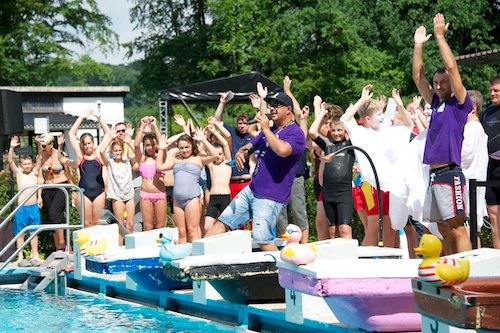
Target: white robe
389,149
475,163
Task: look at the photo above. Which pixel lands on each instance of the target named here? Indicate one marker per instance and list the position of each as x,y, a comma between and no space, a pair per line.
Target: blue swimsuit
186,182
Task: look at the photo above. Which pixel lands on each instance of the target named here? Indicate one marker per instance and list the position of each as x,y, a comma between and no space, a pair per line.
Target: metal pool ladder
49,274
46,271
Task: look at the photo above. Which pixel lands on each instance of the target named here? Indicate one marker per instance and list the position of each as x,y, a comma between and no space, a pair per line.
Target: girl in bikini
153,203
119,187
90,168
187,166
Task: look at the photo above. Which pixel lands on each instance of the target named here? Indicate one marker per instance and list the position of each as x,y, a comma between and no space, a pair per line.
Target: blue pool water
26,311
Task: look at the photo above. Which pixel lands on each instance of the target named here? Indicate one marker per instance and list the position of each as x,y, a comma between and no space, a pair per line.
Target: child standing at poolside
220,176
337,175
29,214
187,166
90,170
153,203
119,187
382,143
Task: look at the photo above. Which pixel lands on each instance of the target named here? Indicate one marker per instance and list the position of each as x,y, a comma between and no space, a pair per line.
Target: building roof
58,121
490,57
103,89
71,91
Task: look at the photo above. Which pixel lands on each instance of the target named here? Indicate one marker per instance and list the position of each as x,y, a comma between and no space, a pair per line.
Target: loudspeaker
11,112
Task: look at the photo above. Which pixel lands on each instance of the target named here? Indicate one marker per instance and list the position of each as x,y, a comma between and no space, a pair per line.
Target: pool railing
42,227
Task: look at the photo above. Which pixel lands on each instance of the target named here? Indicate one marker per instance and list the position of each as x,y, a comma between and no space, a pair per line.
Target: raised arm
62,158
179,120
366,95
224,99
440,28
221,140
200,137
73,138
139,136
162,163
129,133
223,131
255,100
418,73
401,109
172,141
156,129
106,140
262,91
104,126
14,142
422,118
287,88
318,122
302,117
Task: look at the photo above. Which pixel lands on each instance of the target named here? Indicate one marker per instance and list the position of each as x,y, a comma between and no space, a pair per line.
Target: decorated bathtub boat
369,294
472,306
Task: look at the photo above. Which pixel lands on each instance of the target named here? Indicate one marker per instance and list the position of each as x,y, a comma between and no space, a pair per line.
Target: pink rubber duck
294,252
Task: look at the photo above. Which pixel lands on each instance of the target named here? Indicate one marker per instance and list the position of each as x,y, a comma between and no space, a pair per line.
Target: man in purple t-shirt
280,149
445,198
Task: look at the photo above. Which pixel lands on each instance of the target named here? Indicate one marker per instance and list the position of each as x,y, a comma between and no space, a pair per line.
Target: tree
36,36
328,47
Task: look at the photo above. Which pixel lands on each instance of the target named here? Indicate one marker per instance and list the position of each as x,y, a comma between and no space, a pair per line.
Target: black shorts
217,203
493,193
169,190
338,208
54,200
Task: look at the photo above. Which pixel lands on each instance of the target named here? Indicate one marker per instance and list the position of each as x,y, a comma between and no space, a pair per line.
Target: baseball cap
280,97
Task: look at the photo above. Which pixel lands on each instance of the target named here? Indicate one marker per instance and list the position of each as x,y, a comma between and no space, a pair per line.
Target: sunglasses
120,131
276,105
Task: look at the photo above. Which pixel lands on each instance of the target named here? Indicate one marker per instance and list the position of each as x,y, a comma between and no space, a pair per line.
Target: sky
118,11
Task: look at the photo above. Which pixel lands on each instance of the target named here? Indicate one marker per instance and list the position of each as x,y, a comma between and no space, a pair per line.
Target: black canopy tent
207,92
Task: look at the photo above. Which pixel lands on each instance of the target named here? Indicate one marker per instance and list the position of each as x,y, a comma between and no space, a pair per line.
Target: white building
60,106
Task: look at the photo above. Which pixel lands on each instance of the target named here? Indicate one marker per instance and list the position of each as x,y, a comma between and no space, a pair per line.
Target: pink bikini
148,171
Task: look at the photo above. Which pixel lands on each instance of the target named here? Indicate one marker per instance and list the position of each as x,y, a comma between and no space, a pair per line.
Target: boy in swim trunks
220,176
29,213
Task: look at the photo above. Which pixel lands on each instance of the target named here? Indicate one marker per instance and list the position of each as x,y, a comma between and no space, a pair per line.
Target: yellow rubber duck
294,252
90,248
437,271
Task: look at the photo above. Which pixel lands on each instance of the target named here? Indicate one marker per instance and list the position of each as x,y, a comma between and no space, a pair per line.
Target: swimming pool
80,312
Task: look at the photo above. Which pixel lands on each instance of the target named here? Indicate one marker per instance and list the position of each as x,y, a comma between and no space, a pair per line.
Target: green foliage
36,36
6,183
328,47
